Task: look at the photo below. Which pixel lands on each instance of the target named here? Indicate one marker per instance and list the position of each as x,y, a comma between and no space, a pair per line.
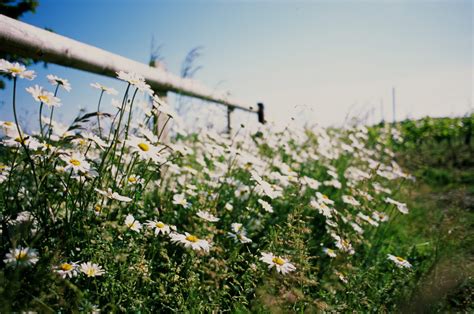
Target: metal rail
33,42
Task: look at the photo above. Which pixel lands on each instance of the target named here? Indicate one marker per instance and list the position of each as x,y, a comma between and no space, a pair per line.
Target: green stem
22,141
98,111
41,122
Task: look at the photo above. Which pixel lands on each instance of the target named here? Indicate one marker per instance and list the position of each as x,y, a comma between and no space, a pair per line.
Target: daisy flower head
380,216
16,70
43,96
344,245
92,138
67,269
132,223
282,265
240,237
144,149
180,199
323,198
136,80
163,107
322,208
21,256
341,277
113,195
9,128
348,199
159,227
76,162
330,252
207,216
237,227
239,233
91,269
55,80
191,241
107,90
400,262
402,207
133,179
266,205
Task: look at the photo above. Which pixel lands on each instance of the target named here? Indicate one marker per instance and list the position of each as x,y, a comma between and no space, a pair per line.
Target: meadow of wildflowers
106,214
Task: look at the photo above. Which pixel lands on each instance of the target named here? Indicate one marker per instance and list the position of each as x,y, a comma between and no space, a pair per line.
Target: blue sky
327,58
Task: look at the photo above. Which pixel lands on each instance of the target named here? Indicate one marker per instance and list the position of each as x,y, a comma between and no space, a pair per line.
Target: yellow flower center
66,266
161,225
399,259
75,162
97,208
90,272
132,179
18,139
192,238
278,261
15,70
21,255
144,147
43,98
8,123
325,196
330,251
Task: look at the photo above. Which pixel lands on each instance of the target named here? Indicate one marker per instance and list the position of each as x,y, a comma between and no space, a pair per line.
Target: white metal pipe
33,42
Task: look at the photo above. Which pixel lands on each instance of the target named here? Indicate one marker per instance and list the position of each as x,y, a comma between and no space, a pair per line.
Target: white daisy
41,95
113,195
132,223
281,265
144,149
21,257
207,216
348,199
107,90
136,80
191,241
344,246
402,207
16,69
133,179
330,252
67,269
54,80
400,262
180,199
76,162
265,205
159,227
342,277
323,198
92,269
240,234
322,208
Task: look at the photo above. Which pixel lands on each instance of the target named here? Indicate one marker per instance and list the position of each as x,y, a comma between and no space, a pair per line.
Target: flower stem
22,141
98,113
